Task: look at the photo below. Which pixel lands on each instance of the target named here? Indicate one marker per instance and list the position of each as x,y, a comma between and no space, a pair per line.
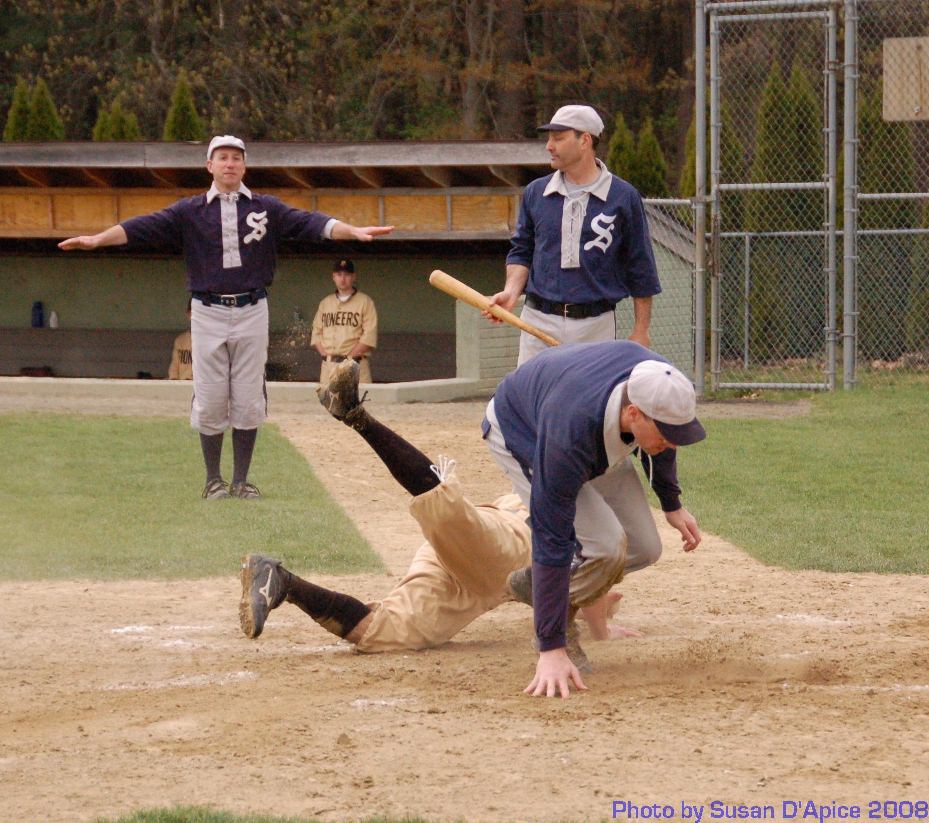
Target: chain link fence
671,227
802,95
892,298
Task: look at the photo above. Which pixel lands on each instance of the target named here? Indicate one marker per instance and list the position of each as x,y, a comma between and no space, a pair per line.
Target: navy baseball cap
344,265
667,397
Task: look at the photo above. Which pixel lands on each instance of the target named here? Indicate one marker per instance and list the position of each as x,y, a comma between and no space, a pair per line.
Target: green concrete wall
116,292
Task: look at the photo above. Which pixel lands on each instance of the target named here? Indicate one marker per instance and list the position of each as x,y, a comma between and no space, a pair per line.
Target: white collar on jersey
214,192
616,450
600,187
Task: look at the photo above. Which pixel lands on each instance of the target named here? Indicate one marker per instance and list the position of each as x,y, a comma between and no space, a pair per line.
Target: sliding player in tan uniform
345,325
457,575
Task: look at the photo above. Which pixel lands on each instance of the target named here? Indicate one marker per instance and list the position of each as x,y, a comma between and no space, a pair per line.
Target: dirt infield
751,685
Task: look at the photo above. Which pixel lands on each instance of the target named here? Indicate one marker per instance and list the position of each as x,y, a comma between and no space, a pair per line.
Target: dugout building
454,205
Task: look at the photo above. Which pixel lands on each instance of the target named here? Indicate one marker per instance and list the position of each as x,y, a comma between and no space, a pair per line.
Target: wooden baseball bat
460,291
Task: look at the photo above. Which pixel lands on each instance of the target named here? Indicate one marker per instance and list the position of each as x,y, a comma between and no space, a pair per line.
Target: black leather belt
575,311
246,298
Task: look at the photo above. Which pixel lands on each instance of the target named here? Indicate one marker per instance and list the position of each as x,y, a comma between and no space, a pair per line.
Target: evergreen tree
885,264
123,124
787,272
183,122
44,122
808,161
804,282
772,135
765,212
651,171
116,123
732,208
101,132
17,119
687,185
732,168
620,152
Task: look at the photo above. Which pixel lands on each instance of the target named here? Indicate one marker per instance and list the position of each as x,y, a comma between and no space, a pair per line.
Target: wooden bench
400,357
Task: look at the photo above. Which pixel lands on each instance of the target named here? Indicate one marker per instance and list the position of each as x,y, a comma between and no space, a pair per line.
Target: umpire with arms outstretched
229,237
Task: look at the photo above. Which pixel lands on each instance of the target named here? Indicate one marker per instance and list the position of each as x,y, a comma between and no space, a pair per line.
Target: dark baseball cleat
215,489
520,585
340,395
264,588
246,491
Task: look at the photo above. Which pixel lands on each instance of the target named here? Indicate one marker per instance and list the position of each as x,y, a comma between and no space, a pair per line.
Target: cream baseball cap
224,140
668,397
579,118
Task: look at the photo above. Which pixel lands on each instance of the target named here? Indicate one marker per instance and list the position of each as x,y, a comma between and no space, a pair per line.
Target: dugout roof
431,191
365,166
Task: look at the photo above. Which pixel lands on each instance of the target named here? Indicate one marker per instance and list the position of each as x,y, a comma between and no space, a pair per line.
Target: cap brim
554,127
684,435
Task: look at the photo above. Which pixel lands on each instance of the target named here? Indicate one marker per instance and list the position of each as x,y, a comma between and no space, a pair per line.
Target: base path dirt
751,685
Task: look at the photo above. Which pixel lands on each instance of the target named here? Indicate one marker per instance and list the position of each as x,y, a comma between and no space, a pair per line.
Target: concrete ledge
420,391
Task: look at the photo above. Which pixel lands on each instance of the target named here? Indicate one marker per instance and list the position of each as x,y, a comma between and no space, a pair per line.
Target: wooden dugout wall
455,214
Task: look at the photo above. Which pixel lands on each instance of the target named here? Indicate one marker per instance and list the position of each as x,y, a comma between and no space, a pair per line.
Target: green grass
201,815
109,498
843,489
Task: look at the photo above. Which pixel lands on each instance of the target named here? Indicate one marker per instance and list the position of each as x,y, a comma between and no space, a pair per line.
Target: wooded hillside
358,69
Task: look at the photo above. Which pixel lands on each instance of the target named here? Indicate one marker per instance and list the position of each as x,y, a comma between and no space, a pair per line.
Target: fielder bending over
563,427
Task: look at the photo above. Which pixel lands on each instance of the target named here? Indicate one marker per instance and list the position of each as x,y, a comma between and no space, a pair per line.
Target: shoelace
445,468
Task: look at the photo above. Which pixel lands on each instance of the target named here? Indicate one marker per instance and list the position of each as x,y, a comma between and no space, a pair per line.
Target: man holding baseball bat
563,428
581,244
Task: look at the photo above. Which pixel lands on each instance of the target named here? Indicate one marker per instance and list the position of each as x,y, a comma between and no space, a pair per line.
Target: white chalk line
815,619
362,703
187,681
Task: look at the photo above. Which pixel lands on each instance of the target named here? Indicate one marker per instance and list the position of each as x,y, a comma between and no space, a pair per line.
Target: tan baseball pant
457,575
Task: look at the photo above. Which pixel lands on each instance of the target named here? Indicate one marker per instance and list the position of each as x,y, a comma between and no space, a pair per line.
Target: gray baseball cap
224,140
668,397
579,118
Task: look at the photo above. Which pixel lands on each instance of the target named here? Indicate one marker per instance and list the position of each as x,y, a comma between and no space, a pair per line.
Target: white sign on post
906,79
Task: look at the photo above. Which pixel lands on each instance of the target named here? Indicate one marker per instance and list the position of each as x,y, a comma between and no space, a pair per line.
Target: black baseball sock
243,446
336,612
212,447
408,465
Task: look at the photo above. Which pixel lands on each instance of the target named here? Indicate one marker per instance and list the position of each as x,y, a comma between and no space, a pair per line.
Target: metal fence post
715,218
850,205
700,199
830,227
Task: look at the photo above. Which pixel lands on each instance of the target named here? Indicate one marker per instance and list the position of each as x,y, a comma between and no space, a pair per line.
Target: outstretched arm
113,236
346,231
